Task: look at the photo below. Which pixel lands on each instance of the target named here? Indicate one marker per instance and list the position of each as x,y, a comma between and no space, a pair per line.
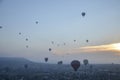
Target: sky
61,22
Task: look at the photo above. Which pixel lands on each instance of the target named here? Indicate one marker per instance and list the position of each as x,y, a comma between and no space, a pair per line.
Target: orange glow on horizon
107,47
114,47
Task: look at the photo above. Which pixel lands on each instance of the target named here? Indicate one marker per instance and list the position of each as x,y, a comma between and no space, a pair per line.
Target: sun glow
116,46
107,47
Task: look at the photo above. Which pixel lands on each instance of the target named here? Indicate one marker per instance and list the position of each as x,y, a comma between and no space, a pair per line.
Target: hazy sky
61,21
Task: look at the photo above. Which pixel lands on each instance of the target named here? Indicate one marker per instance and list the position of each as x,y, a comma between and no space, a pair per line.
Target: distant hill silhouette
13,62
18,63
13,59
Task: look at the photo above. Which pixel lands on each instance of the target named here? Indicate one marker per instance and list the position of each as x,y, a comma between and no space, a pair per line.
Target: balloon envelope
26,39
75,64
91,66
60,62
50,49
26,46
19,33
74,40
36,22
46,59
26,66
85,61
0,27
87,40
52,42
83,14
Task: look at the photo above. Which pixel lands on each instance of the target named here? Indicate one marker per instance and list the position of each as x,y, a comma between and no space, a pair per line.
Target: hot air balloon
36,22
83,14
52,42
60,62
91,66
26,39
50,49
85,61
74,40
87,41
0,27
75,64
26,46
64,44
19,33
26,66
46,59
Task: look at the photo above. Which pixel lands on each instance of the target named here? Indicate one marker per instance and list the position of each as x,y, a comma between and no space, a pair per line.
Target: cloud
115,47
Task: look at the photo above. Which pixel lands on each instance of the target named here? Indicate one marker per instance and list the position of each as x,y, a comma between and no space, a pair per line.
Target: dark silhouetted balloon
87,41
50,49
64,43
85,61
46,59
83,14
26,39
75,64
36,22
26,46
52,42
19,33
0,27
74,40
26,66
91,66
60,62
